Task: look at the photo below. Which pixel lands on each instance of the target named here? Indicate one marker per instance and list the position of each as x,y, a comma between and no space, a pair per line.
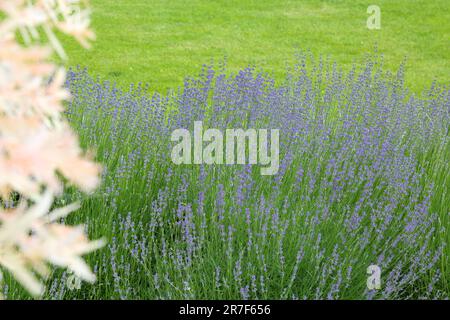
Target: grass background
160,42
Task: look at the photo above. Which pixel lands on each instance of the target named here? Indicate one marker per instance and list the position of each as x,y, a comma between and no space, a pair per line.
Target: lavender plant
363,180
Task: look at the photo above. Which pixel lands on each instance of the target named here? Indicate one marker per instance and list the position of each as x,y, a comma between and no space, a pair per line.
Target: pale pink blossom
37,145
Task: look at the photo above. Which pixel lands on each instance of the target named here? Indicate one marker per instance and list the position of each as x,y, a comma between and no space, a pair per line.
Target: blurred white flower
37,144
30,239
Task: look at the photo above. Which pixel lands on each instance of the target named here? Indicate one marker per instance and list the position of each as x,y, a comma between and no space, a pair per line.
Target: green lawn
161,42
152,212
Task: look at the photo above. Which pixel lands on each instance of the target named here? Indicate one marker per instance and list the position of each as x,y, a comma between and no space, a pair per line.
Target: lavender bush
363,180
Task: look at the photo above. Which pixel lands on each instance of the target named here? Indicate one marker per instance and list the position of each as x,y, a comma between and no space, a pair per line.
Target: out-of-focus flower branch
37,145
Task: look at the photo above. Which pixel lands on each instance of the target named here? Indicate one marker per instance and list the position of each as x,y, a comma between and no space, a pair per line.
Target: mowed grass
160,42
